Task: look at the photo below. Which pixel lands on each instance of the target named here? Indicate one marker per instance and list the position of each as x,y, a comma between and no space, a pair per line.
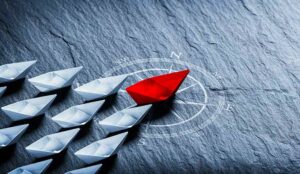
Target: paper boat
157,88
35,168
101,88
29,108
2,90
14,71
11,135
52,144
125,119
77,115
87,170
101,149
55,80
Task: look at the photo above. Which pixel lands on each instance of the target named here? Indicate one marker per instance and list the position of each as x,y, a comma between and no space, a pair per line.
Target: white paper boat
87,170
55,80
101,149
11,135
35,168
77,115
52,144
125,119
14,71
101,88
2,90
29,108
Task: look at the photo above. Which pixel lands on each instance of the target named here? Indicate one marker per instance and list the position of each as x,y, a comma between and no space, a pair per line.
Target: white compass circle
183,125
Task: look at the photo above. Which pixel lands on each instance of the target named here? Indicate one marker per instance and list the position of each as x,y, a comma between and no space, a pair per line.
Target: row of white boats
96,89
41,167
72,117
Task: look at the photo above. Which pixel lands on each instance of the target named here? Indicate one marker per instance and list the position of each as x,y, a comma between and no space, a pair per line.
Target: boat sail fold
15,71
35,168
77,115
55,80
29,108
101,88
101,149
52,144
125,118
11,135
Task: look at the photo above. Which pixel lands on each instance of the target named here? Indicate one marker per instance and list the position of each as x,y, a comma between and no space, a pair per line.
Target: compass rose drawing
192,108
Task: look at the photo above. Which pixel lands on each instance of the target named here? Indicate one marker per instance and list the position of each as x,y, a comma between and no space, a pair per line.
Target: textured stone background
253,44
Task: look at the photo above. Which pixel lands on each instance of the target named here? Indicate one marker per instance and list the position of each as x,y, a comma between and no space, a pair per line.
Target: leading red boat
157,88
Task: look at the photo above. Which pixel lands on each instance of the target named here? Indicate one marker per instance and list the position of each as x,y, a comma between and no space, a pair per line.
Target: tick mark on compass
176,115
138,76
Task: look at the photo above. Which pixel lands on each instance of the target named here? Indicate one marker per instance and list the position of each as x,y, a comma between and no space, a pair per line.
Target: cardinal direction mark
142,142
173,54
229,107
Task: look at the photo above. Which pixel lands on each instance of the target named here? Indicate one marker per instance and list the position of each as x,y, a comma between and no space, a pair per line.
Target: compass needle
186,88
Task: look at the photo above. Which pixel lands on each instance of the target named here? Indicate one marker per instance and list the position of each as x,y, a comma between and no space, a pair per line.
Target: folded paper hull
52,144
11,135
156,89
29,108
101,88
55,80
125,119
101,149
35,168
87,170
15,71
77,115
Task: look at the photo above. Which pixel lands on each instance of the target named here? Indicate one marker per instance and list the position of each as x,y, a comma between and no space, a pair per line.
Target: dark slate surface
249,49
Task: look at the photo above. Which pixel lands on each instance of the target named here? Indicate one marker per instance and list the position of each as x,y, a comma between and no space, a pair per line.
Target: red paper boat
157,88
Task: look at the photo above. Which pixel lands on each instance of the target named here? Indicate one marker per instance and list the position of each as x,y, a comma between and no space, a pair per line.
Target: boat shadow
13,87
108,164
133,135
7,153
34,123
109,102
159,110
58,159
85,130
61,93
